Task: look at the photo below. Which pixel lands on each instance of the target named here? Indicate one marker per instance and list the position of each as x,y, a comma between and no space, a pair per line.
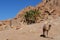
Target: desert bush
31,16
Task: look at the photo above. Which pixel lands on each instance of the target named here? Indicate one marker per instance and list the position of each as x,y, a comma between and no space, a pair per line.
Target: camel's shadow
42,36
46,37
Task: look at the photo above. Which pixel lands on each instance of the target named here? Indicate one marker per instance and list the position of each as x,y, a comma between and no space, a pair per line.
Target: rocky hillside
46,10
28,23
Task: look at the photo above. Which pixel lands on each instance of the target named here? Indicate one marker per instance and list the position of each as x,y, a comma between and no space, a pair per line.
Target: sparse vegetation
31,16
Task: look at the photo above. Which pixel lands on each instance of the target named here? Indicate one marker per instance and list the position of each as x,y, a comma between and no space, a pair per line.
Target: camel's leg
47,33
44,33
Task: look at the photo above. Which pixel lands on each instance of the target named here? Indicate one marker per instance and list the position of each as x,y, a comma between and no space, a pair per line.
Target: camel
46,28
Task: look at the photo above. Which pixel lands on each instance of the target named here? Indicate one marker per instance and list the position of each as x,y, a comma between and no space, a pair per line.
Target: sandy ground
32,32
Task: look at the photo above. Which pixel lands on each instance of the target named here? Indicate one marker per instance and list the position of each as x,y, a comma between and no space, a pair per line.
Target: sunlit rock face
52,2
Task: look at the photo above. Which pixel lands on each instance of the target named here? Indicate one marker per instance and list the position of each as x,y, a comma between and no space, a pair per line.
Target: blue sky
10,8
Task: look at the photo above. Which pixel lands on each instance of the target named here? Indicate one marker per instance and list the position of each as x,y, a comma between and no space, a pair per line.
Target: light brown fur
46,29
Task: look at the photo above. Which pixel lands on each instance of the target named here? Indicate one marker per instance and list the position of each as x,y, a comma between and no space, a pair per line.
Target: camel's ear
49,25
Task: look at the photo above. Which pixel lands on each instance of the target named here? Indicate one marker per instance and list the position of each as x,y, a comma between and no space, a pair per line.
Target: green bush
31,15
